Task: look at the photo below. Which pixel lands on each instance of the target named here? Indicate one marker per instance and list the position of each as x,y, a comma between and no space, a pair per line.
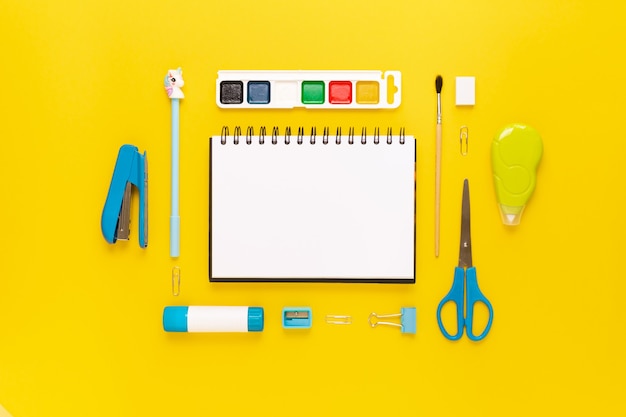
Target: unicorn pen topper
173,82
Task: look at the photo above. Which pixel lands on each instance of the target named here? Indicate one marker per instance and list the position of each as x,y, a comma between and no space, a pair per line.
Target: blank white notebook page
312,212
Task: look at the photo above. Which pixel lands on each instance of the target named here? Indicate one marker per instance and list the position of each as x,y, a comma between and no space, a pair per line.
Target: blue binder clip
131,168
408,320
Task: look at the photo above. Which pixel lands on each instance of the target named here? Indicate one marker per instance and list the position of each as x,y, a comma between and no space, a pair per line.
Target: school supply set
131,168
243,319
464,294
515,154
327,207
304,207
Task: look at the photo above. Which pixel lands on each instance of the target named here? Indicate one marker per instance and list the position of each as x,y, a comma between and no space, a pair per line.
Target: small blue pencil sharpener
297,318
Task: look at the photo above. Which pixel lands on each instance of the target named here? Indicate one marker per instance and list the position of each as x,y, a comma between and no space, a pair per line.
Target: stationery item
204,319
465,91
297,318
308,88
465,285
408,320
173,83
338,319
312,209
515,155
131,168
464,137
176,281
438,86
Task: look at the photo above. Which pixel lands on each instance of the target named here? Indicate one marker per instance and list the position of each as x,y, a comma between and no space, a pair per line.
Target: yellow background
80,320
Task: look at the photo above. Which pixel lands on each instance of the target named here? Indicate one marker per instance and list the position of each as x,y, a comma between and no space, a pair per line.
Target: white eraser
465,91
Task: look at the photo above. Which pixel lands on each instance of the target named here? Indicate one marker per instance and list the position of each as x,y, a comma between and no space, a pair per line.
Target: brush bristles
438,83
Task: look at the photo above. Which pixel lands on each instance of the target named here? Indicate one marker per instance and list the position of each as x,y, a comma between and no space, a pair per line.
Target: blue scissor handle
475,296
455,296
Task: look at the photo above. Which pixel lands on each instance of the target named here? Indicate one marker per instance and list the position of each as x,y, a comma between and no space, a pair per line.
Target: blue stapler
131,168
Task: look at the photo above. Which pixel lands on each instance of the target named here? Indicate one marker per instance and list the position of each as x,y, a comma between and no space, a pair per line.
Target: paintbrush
438,86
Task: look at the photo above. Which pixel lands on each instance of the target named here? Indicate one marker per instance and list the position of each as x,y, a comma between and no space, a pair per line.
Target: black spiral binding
301,136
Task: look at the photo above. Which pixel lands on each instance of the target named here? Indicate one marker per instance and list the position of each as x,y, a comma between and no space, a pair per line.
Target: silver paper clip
408,320
464,136
338,319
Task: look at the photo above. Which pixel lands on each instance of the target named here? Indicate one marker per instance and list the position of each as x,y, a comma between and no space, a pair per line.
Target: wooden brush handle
437,186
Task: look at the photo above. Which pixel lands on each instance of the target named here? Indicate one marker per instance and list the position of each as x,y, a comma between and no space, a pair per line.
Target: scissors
465,283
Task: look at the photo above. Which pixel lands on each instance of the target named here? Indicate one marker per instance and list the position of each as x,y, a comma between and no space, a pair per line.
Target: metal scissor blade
465,252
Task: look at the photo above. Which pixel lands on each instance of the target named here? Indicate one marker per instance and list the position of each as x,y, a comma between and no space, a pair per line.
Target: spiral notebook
312,208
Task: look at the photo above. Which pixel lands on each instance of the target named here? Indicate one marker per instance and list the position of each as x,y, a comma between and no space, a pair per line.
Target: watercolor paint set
309,89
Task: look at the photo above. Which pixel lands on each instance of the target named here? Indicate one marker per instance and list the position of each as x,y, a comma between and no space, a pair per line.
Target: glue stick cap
175,318
255,319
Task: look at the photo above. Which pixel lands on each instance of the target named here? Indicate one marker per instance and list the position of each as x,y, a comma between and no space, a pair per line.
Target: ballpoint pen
173,82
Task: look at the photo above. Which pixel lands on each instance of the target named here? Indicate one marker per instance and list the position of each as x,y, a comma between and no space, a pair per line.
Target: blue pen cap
175,318
255,319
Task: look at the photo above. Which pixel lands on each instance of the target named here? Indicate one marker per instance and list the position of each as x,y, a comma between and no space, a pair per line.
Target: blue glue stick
203,319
